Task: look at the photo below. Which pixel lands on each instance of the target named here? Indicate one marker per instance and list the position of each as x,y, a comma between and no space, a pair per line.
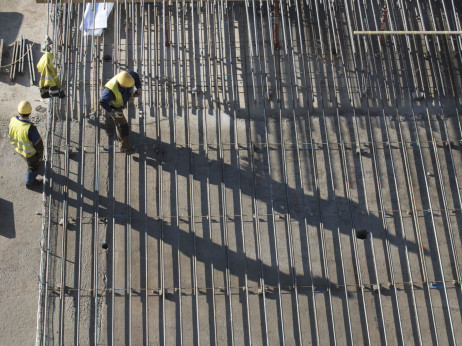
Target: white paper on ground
103,12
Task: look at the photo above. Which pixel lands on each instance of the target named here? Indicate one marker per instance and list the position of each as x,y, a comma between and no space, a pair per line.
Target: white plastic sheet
103,11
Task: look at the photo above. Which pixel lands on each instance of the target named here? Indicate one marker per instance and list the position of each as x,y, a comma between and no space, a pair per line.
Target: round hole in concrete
107,58
362,234
105,246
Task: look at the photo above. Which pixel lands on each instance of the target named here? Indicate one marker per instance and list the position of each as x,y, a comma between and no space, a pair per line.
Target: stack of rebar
21,50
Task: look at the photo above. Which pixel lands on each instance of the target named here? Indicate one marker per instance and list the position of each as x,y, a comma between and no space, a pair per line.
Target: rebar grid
293,182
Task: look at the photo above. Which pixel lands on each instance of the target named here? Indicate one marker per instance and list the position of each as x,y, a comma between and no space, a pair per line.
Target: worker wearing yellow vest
26,140
49,84
117,92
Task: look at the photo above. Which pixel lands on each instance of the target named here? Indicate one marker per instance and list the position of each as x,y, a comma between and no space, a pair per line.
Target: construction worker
26,141
49,84
117,92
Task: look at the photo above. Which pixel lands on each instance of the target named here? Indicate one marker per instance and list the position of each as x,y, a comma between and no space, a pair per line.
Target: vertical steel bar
225,78
213,54
117,28
257,226
158,62
65,201
96,184
82,182
182,41
358,141
440,265
273,220
145,49
280,96
45,236
241,217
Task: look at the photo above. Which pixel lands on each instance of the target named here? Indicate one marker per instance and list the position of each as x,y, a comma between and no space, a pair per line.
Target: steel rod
182,42
40,336
235,99
82,121
215,97
264,70
407,32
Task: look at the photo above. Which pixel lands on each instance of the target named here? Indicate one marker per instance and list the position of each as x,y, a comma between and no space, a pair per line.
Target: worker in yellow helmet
117,92
49,84
27,142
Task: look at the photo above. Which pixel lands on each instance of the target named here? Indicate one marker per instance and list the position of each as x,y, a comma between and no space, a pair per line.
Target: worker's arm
35,138
136,77
106,97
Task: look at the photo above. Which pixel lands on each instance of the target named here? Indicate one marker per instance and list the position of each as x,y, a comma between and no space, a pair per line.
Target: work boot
35,184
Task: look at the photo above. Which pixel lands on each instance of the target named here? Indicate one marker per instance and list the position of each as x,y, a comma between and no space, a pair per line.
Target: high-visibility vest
114,87
19,137
48,74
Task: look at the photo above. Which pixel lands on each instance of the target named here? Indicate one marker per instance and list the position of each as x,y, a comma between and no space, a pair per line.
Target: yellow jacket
48,74
114,87
19,137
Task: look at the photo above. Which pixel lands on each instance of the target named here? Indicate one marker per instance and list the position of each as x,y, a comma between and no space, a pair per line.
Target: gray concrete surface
20,209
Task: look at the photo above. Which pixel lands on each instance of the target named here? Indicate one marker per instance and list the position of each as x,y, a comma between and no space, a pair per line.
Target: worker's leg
110,126
123,130
34,166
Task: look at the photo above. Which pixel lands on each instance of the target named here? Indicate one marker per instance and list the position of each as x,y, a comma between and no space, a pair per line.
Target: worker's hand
137,93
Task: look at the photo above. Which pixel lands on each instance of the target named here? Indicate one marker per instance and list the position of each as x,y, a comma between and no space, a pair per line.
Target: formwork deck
258,172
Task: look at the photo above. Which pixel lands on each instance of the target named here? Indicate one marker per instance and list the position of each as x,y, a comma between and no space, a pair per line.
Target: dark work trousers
34,165
121,125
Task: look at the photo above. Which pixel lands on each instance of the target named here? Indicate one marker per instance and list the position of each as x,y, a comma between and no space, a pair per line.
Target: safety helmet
125,79
24,108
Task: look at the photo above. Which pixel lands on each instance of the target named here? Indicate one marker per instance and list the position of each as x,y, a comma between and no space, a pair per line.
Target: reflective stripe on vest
114,87
48,74
19,137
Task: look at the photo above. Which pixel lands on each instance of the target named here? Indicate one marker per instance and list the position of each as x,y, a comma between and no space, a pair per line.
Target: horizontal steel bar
407,32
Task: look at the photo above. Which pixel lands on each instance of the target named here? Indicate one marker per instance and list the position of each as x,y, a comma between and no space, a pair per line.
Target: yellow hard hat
125,79
24,108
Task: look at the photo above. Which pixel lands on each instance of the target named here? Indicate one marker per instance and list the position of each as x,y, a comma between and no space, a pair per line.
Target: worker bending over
27,142
49,84
117,92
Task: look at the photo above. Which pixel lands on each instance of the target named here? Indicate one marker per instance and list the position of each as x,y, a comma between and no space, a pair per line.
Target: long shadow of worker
7,228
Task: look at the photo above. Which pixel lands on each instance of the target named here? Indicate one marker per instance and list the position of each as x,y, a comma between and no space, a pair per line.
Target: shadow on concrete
10,22
7,219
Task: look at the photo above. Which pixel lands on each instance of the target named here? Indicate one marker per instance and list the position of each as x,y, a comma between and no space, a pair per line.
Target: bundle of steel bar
21,49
